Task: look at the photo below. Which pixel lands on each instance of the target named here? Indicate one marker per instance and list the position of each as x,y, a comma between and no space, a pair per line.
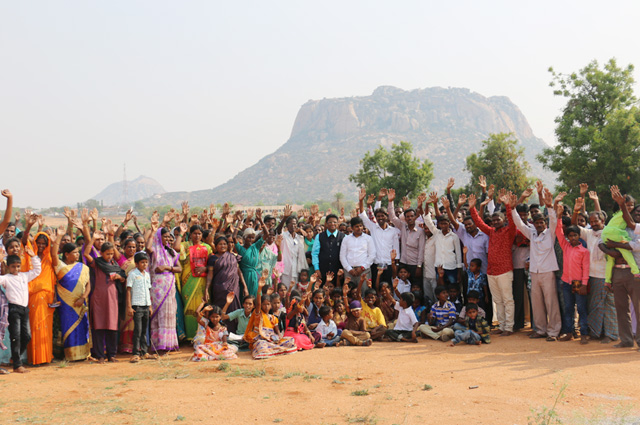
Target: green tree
502,162
396,168
597,132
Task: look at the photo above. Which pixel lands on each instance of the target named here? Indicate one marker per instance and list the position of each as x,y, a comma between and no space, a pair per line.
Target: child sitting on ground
329,333
297,326
418,307
406,325
283,293
16,286
340,314
442,316
387,305
210,342
373,317
303,282
401,274
355,331
278,310
473,297
476,329
454,296
477,281
242,315
139,305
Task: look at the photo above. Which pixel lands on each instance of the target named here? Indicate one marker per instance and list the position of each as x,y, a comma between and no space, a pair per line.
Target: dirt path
383,384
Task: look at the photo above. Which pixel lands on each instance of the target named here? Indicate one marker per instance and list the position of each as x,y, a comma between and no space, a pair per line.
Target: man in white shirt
357,252
385,239
542,265
448,251
293,256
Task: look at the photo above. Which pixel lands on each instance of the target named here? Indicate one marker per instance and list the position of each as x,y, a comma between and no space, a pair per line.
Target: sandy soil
513,376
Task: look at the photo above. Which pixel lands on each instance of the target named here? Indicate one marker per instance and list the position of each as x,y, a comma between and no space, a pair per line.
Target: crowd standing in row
276,285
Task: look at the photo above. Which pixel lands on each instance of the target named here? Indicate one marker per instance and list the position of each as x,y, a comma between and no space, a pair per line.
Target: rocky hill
330,136
140,188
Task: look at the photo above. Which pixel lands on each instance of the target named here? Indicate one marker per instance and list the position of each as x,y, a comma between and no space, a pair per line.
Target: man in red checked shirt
500,263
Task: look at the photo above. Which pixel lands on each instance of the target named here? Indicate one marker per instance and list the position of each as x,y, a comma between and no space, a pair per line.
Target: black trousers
140,326
519,286
19,332
102,337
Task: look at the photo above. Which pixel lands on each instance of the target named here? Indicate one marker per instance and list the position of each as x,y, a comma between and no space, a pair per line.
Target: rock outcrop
330,136
140,188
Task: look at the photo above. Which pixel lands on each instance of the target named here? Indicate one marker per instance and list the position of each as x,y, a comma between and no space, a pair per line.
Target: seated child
387,305
340,314
329,333
476,329
402,275
477,281
418,306
210,342
283,292
278,310
242,315
373,317
355,331
442,316
406,325
313,304
473,297
297,326
16,286
262,332
454,296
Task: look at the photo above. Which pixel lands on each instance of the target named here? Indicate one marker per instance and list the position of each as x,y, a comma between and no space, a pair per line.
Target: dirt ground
387,383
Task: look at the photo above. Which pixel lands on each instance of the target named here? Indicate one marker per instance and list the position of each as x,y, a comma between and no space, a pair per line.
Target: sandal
148,356
3,371
134,359
551,338
536,335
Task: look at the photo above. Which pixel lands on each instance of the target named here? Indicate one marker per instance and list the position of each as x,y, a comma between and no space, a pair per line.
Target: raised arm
8,213
55,244
577,207
453,216
564,244
476,218
620,200
31,219
593,195
391,196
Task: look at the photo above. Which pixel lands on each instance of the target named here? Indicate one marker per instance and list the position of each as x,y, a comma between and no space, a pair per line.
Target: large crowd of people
456,271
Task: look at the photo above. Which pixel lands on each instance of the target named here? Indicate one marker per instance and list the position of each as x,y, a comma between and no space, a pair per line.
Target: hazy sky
191,93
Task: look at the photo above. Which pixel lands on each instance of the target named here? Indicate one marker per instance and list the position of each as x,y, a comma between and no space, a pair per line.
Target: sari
125,345
262,338
193,287
250,265
41,294
268,260
208,344
225,280
74,321
163,298
179,309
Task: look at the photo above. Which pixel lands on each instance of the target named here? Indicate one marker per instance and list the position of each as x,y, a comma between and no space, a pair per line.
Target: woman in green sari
193,258
250,265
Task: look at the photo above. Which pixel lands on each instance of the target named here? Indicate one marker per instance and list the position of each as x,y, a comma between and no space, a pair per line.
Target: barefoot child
210,342
242,315
139,305
373,317
297,327
407,324
355,331
476,328
262,332
442,316
16,286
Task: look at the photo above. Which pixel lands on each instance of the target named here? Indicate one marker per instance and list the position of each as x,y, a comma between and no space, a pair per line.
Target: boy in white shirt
139,305
407,324
327,327
16,286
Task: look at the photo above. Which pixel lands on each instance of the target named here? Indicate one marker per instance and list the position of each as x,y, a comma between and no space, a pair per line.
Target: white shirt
448,252
357,251
325,329
140,284
406,318
429,270
384,240
542,254
290,253
597,258
403,286
16,287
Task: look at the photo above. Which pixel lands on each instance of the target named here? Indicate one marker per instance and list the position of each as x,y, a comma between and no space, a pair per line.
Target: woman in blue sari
73,292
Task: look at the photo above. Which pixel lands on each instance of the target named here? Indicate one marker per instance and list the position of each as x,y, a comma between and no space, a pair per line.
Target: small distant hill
330,136
140,188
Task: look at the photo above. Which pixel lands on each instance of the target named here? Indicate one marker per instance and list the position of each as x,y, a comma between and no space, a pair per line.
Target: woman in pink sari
164,264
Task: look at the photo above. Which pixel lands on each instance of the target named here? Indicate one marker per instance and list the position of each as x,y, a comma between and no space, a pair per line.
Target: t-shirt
140,284
443,313
373,317
325,329
418,311
406,318
243,320
476,283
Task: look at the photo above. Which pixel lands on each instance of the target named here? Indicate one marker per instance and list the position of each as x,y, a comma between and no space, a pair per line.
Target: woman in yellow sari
73,292
193,258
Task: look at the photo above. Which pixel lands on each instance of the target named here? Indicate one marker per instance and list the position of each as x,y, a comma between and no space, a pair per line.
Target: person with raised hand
412,239
500,263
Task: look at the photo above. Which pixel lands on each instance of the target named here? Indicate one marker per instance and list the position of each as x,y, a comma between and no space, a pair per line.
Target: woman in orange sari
41,297
126,263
